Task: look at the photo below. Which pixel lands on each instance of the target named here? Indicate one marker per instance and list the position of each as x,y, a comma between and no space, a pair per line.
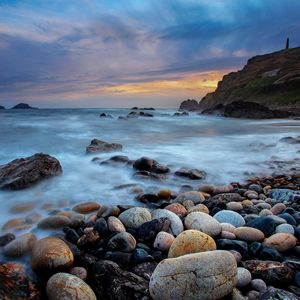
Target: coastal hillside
272,80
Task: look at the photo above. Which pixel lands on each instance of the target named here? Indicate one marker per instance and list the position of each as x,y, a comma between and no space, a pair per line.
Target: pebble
231,217
249,234
227,235
163,241
122,241
281,241
22,207
54,222
51,253
191,241
234,206
226,244
67,286
196,197
228,227
115,225
20,246
199,207
135,217
12,223
206,275
244,277
176,226
86,207
278,208
107,211
285,228
6,238
203,222
177,209
80,272
265,212
164,194
258,285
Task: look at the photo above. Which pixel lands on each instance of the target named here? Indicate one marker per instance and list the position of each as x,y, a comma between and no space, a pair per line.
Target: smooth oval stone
285,228
107,211
54,222
200,208
51,253
176,226
231,217
265,212
86,207
135,217
259,285
278,208
67,286
12,224
203,222
115,225
244,277
163,241
227,235
20,246
249,234
22,207
281,241
227,227
177,209
207,275
234,206
122,241
268,253
196,197
164,194
191,241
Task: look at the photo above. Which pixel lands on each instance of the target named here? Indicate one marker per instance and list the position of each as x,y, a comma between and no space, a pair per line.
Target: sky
123,53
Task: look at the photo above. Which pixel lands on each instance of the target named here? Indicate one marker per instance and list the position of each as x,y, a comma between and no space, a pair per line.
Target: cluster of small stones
238,241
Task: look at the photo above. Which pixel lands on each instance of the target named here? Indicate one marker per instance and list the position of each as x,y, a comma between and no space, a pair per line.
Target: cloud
109,49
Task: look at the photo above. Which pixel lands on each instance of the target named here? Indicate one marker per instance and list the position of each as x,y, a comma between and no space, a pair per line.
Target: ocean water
227,149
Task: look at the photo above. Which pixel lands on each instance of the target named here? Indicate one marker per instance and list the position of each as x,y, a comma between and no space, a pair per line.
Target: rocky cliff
272,80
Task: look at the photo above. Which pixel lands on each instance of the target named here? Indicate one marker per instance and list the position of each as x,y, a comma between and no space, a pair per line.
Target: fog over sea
226,149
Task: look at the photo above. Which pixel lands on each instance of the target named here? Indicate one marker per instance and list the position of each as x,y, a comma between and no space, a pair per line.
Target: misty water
226,149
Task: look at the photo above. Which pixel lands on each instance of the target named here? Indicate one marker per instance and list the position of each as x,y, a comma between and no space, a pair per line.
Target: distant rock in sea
272,80
23,106
144,108
189,105
2,107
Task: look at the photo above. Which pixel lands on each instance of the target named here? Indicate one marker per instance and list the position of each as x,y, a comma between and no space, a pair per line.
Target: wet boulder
98,146
24,172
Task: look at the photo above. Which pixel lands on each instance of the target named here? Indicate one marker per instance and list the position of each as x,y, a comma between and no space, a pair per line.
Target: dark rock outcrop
25,172
23,106
189,105
272,80
247,110
2,107
97,146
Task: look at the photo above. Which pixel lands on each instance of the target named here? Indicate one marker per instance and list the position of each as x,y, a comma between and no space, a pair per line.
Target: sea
228,150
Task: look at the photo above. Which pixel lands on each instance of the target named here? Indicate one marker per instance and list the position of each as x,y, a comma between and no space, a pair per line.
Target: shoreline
118,243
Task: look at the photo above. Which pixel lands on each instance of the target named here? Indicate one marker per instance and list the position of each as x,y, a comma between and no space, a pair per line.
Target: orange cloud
197,84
